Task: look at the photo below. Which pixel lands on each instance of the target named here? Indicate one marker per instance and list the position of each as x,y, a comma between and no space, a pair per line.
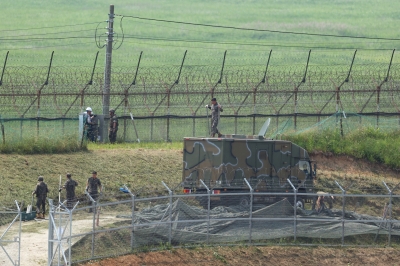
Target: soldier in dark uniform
93,186
215,113
69,186
113,128
41,191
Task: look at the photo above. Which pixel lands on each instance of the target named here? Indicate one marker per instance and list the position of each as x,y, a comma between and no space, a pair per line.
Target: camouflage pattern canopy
266,164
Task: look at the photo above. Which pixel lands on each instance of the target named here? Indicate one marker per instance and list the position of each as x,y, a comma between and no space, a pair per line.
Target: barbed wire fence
167,102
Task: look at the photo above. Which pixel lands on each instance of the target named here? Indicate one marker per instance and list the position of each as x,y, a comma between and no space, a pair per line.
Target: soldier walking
69,187
113,128
216,109
41,191
93,186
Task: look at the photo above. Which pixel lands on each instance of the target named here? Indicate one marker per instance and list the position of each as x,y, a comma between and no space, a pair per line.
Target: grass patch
44,145
142,145
369,143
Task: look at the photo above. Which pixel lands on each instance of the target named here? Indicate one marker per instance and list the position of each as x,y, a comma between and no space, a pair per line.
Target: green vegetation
141,145
372,144
44,145
30,34
142,169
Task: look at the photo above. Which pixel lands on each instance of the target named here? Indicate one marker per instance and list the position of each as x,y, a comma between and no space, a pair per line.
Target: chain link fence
340,216
10,234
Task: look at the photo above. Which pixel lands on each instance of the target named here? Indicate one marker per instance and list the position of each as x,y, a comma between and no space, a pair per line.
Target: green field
33,29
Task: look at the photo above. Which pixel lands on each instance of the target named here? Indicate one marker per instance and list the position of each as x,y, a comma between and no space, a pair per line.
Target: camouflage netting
233,224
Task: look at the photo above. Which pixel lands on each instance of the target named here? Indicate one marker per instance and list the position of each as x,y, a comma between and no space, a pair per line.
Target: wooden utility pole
107,68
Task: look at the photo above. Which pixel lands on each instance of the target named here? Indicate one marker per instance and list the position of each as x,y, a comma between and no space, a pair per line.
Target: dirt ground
259,256
35,236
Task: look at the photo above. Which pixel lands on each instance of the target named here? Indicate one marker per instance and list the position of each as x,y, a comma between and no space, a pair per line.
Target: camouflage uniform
112,133
41,191
89,127
69,186
92,187
215,112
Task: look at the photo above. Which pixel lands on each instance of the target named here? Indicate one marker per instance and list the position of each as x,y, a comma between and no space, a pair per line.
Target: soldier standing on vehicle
69,186
88,124
215,114
41,191
113,128
93,186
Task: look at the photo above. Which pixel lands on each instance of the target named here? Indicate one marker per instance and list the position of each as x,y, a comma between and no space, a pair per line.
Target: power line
41,34
48,46
45,39
252,44
260,30
71,25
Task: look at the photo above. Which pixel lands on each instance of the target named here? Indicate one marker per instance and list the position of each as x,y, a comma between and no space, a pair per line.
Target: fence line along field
167,103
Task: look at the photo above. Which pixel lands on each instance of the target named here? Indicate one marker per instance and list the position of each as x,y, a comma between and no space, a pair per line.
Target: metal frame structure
17,239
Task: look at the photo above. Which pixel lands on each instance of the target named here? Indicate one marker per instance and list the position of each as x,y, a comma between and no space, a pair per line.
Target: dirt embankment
285,256
347,167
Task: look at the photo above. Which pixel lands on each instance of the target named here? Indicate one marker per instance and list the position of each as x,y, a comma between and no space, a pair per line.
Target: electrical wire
41,34
61,26
260,30
123,35
252,44
97,38
40,47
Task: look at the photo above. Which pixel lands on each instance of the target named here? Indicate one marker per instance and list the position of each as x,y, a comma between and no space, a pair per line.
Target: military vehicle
223,163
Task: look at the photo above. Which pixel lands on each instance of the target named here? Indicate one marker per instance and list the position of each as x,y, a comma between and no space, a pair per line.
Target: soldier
215,113
319,201
93,186
113,128
88,124
41,191
69,186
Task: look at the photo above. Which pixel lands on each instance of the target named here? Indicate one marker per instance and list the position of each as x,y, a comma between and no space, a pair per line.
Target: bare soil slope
259,256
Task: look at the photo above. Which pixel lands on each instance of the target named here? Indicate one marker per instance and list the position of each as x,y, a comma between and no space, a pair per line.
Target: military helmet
40,178
89,109
112,110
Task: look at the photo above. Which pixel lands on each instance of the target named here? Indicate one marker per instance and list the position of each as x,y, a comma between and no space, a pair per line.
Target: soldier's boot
38,215
219,134
42,215
213,135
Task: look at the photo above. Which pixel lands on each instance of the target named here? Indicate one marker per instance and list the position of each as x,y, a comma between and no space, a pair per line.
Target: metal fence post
70,234
94,208
170,212
251,209
133,216
19,234
51,232
208,210
294,209
343,208
390,211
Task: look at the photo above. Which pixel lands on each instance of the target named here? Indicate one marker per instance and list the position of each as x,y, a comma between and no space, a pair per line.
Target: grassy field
34,29
139,168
